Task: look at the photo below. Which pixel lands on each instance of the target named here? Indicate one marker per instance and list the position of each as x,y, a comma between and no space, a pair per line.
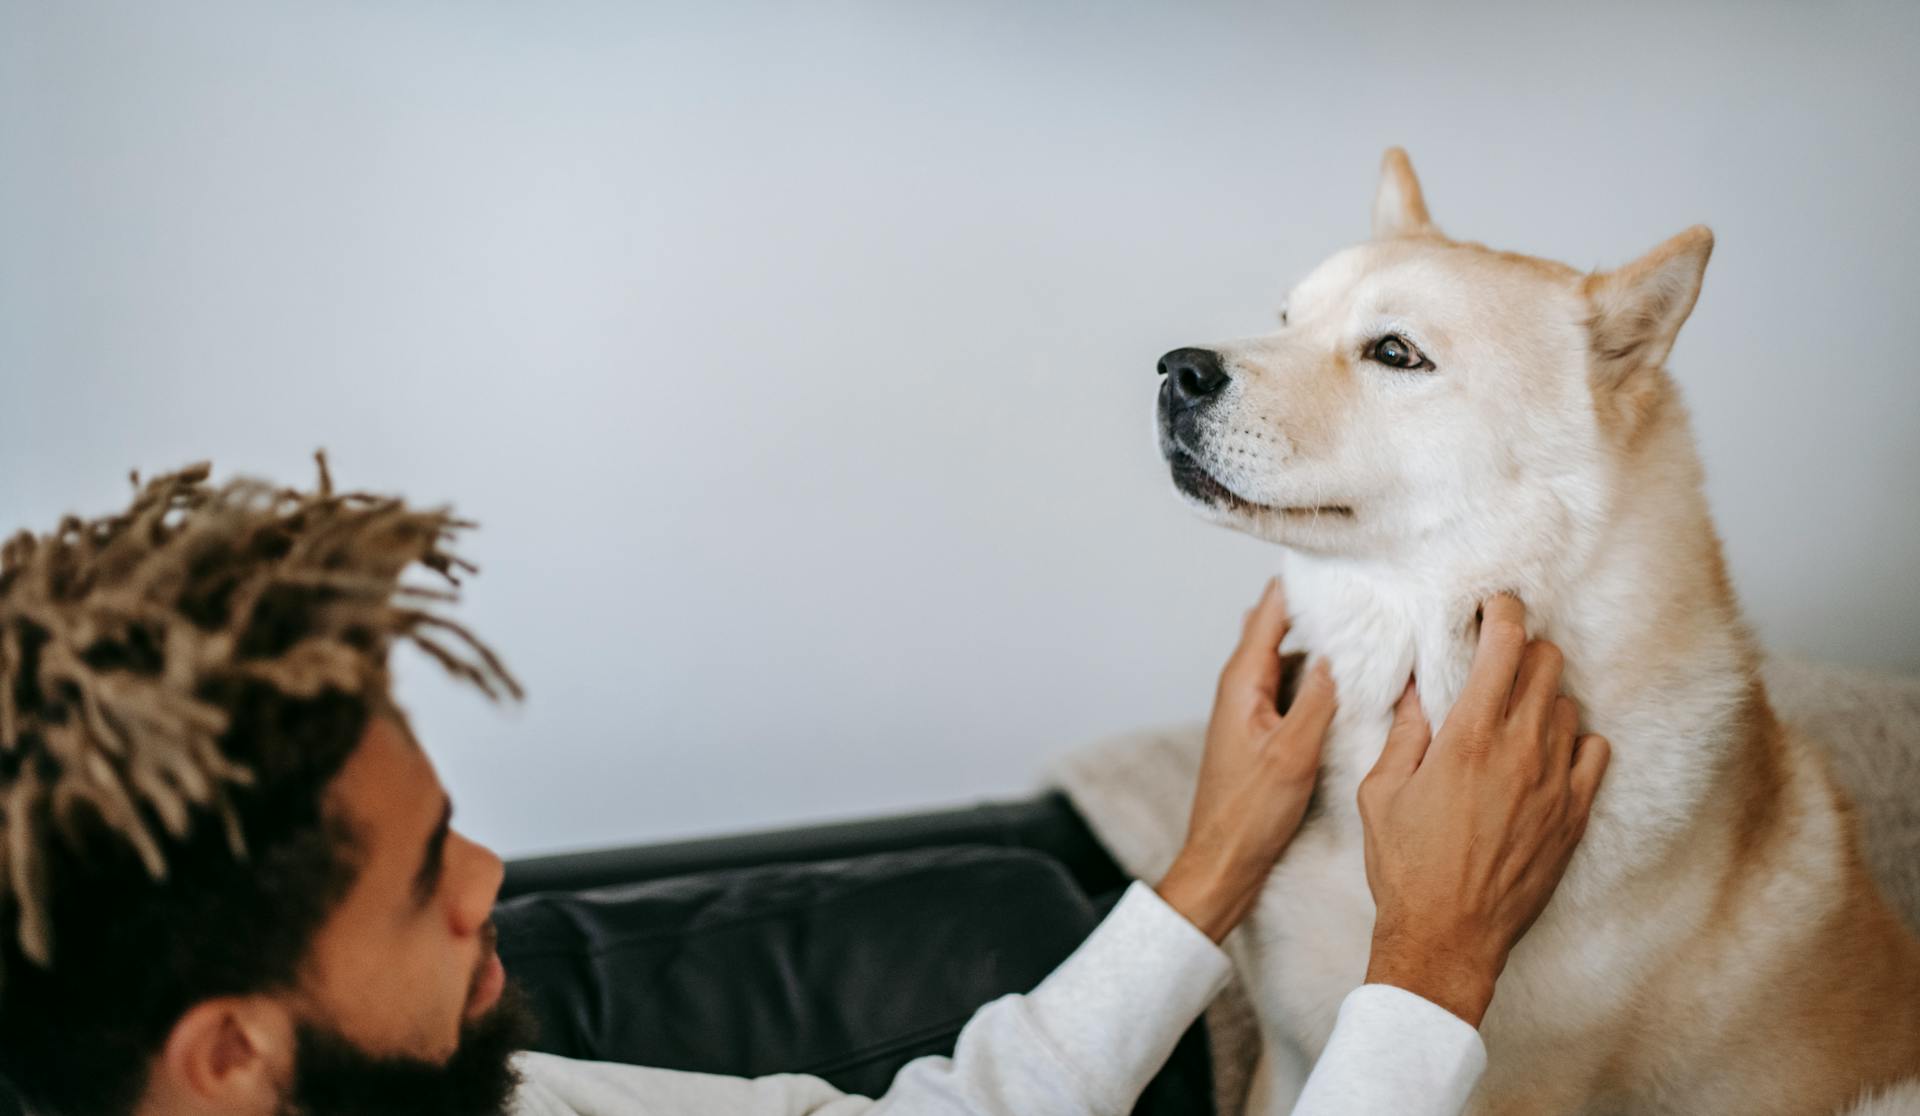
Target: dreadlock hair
179,683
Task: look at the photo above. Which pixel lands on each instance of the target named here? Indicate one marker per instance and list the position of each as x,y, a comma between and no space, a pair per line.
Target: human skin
1468,830
400,964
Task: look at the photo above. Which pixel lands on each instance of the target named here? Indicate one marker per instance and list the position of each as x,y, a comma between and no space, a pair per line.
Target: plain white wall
798,359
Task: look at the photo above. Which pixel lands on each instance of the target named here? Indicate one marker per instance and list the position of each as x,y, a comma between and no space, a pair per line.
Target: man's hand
1466,840
1255,778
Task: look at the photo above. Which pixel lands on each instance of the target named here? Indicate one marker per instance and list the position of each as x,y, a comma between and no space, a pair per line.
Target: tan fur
1399,208
1767,1007
1756,1013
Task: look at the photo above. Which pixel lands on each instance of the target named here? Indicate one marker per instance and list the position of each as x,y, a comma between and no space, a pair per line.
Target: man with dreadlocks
228,883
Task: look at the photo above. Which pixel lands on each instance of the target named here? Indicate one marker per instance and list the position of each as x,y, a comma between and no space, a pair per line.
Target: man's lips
489,976
487,987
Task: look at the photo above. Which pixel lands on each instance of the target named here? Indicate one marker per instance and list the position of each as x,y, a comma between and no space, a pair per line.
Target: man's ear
1637,310
226,1055
1399,209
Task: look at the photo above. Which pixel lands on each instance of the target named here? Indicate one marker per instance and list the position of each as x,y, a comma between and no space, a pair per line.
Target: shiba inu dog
1436,421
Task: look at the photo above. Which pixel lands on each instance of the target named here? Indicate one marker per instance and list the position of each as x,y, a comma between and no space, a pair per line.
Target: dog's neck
1657,655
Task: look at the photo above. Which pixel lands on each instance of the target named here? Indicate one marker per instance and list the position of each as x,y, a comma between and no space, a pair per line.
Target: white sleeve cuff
1393,1052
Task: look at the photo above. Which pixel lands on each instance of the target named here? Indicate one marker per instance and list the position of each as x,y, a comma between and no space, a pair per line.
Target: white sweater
1086,1041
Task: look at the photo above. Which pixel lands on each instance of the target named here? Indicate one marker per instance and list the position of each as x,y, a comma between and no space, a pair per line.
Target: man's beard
334,1077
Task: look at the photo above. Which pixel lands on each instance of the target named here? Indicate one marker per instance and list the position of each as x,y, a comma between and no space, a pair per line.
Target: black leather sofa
842,951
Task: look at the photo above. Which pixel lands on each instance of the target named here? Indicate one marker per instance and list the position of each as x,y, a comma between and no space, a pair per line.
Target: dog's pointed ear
1637,310
1399,209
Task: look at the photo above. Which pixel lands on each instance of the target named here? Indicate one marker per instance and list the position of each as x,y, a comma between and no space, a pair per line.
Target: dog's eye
1395,351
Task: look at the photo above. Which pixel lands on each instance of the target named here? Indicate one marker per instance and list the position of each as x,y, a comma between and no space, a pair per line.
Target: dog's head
1426,398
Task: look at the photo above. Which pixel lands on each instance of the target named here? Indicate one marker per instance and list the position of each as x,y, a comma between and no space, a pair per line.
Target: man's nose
478,886
1193,376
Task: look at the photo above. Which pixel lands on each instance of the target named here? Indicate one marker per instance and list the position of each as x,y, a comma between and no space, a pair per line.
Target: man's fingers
1313,706
1590,758
1535,685
1408,738
1267,623
1256,662
1503,608
1503,638
1560,734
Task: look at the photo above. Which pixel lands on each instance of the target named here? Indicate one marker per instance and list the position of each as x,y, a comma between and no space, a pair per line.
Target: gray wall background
798,359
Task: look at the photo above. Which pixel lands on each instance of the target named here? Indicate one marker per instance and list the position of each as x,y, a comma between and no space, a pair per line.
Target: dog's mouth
1192,478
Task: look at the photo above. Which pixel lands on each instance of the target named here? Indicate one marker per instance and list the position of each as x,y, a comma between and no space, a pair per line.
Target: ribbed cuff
1394,1052
1114,1010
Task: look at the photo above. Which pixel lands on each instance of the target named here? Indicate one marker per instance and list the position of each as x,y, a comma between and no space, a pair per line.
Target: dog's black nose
1193,376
